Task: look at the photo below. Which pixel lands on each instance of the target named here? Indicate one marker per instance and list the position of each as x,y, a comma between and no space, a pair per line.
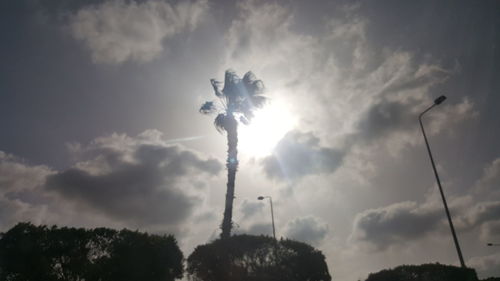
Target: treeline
425,272
40,253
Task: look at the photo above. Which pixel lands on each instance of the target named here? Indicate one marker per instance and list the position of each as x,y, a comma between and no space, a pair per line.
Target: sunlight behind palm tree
238,100
268,127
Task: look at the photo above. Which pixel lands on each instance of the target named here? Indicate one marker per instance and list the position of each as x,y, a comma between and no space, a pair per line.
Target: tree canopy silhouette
256,258
238,100
425,272
32,253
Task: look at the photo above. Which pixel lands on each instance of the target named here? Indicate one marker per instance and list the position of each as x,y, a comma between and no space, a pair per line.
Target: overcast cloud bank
133,181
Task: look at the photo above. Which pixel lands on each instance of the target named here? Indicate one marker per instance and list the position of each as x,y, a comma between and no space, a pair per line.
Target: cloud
343,89
408,221
299,154
21,198
385,117
394,121
257,229
16,174
142,181
490,180
482,212
487,266
306,229
491,230
484,216
250,208
117,30
395,224
250,35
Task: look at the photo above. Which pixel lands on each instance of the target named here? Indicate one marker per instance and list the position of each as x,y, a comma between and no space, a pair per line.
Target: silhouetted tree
425,272
256,258
140,256
238,100
32,253
25,255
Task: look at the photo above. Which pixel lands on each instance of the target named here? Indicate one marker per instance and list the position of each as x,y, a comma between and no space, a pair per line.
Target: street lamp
272,213
493,244
459,252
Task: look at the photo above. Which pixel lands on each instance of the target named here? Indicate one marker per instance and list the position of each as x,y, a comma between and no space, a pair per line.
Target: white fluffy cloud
116,30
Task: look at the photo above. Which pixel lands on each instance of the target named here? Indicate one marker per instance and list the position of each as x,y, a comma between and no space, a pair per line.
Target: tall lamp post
457,245
272,212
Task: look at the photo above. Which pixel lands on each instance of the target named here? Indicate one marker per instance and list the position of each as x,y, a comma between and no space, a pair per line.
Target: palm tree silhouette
238,100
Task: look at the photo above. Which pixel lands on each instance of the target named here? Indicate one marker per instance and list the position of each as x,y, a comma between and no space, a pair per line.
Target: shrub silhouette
256,258
32,253
425,272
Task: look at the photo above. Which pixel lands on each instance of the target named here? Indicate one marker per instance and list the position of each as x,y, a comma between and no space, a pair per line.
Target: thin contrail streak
184,139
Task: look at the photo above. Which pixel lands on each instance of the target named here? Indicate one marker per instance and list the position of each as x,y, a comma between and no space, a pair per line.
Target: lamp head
439,100
260,197
490,244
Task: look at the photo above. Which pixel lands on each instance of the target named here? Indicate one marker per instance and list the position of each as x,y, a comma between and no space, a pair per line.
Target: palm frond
258,101
220,122
216,86
238,96
249,77
208,108
231,87
251,104
252,84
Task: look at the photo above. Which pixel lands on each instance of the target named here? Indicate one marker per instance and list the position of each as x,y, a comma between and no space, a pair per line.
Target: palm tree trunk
232,166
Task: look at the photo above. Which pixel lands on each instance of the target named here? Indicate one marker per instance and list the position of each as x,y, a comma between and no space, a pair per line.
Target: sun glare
269,125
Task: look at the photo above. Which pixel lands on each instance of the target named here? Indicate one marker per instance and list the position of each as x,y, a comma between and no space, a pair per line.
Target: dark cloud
300,154
136,181
395,120
307,229
406,221
250,208
395,224
386,117
485,211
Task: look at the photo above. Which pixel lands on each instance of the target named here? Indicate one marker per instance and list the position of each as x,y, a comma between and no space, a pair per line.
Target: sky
99,123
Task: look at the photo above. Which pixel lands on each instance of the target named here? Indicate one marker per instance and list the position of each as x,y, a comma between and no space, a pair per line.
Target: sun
267,128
